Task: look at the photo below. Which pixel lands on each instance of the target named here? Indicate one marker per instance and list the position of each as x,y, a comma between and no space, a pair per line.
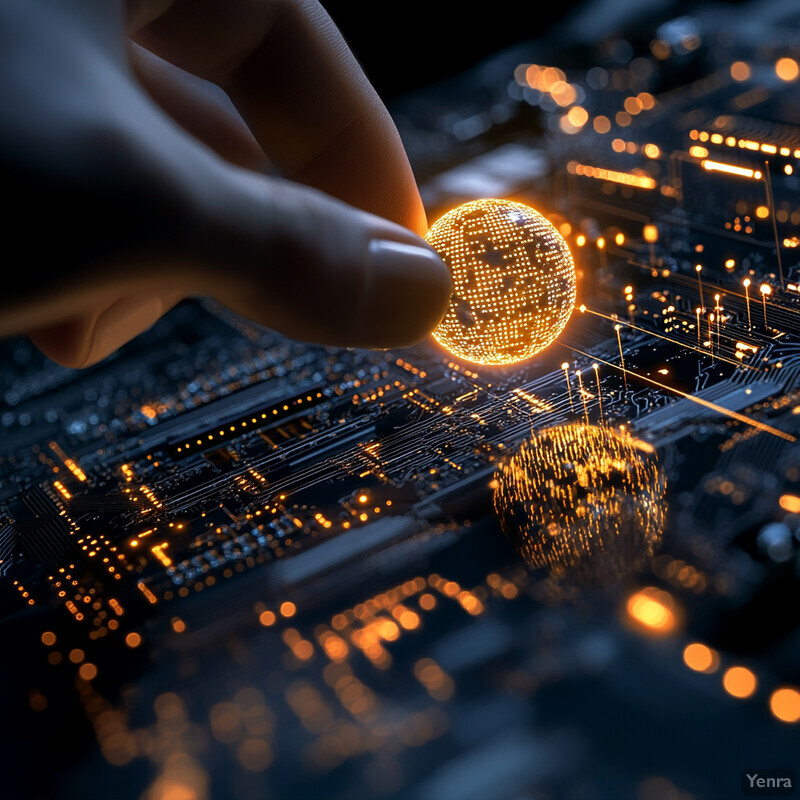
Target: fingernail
410,289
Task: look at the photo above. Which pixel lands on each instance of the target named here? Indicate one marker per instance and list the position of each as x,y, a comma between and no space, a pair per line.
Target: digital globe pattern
585,502
514,282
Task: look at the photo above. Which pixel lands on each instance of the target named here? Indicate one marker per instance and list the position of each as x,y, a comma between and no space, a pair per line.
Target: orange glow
740,71
700,658
48,638
784,703
739,682
288,609
698,151
647,100
75,469
133,640
652,150
508,311
619,239
76,655
601,124
88,671
267,618
790,503
158,551
650,233
578,116
178,625
151,598
639,180
730,169
652,609
762,212
62,490
787,69
427,602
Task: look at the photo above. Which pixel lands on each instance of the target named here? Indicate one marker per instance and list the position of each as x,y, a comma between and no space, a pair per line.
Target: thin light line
713,406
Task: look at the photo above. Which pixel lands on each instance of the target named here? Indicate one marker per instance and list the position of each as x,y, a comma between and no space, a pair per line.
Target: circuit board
233,565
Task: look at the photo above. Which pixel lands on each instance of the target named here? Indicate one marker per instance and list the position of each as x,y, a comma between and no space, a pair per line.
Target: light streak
698,269
765,289
596,369
639,180
62,490
730,169
771,204
753,423
582,393
565,367
746,284
621,357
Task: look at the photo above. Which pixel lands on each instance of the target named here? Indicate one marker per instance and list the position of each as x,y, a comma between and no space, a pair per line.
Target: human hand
132,181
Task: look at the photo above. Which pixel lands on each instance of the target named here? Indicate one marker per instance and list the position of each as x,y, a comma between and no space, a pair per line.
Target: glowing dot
762,212
652,150
739,682
266,618
601,124
514,281
133,639
48,638
619,239
787,69
784,703
650,233
740,71
288,609
578,116
88,671
362,498
700,658
652,610
788,502
76,655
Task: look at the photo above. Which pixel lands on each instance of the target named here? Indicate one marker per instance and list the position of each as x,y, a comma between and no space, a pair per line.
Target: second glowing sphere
513,281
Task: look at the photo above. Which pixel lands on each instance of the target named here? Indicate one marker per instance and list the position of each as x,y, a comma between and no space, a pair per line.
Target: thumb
182,221
315,268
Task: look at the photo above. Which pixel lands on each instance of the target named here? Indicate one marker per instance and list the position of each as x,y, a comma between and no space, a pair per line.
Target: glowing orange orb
585,502
513,281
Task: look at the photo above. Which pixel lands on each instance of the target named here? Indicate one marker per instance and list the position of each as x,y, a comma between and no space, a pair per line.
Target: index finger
302,93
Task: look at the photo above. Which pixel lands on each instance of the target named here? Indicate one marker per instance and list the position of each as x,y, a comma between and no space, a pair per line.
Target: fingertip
408,291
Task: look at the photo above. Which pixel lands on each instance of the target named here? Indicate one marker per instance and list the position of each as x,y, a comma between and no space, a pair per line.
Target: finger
172,217
200,107
89,337
301,92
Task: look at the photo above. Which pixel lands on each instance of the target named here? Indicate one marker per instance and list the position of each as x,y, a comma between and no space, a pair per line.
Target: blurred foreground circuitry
237,566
